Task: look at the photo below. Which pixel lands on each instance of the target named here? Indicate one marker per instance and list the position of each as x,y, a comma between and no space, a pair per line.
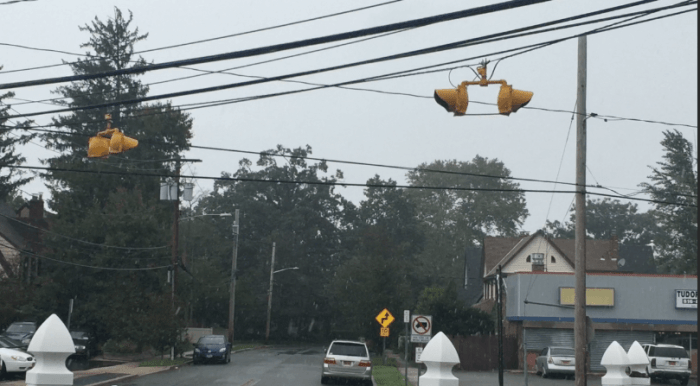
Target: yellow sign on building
604,297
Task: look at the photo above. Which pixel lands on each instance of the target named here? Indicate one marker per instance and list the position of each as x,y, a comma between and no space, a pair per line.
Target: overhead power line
375,78
184,44
336,183
83,241
288,46
82,265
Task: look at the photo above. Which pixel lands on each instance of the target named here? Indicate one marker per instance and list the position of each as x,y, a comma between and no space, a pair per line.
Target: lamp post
269,293
232,293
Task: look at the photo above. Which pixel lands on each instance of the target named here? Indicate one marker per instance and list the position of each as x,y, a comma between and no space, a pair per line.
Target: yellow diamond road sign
385,318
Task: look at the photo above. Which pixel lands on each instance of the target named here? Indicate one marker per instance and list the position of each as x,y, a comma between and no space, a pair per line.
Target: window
528,259
553,260
538,258
349,349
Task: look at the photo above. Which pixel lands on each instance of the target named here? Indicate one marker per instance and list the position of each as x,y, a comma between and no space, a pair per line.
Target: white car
556,360
667,361
13,359
349,360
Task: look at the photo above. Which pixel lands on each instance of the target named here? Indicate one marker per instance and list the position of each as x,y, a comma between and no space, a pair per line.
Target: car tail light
329,361
653,362
365,364
550,360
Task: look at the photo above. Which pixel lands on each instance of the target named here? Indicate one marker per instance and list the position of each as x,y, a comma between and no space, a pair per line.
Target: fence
480,353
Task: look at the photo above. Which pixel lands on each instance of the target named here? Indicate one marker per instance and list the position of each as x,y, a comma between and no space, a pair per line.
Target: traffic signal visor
120,142
453,100
510,100
98,147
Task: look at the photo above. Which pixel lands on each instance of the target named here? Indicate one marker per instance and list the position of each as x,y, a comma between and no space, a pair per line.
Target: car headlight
223,350
18,358
78,347
196,350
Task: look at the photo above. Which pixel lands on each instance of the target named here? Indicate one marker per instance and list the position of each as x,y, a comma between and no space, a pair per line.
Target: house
626,299
20,231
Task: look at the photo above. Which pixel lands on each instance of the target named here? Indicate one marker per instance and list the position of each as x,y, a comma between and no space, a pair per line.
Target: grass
388,376
164,362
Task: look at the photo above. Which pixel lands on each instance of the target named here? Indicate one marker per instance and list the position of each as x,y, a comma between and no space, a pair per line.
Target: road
284,366
301,366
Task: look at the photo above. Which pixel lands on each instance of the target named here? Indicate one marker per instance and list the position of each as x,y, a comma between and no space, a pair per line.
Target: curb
132,376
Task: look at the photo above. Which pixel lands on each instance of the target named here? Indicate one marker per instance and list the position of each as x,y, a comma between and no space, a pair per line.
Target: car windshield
78,335
561,352
211,340
8,343
669,352
348,349
24,327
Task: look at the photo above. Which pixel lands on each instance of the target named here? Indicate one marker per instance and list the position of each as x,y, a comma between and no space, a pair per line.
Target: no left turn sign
421,325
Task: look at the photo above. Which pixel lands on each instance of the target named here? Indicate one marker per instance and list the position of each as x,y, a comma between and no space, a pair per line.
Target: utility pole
176,228
499,301
269,294
232,296
580,227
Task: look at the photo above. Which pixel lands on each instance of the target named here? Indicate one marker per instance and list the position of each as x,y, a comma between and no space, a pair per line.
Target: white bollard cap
51,345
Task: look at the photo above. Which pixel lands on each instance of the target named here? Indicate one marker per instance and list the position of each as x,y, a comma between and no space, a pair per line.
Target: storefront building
622,307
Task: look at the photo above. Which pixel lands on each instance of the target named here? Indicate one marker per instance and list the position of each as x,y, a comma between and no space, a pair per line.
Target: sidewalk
104,375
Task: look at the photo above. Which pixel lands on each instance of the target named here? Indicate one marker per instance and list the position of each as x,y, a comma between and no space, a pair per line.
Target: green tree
109,216
379,269
11,135
450,315
675,180
292,204
605,217
455,219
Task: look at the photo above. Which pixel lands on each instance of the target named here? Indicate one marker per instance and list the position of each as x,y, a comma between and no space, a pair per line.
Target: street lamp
269,294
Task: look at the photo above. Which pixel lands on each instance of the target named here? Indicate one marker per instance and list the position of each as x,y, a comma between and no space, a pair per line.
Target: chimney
36,208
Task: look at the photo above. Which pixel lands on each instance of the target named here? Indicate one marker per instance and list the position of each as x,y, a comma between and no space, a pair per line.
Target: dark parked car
21,332
212,348
84,344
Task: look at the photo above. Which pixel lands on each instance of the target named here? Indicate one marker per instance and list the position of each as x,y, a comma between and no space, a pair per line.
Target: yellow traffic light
456,100
103,145
509,100
453,100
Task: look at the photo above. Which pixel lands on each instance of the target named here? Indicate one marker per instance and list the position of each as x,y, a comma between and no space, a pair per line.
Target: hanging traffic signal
110,141
456,100
453,100
509,100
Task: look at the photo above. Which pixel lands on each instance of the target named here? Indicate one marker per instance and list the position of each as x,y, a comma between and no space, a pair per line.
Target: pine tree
111,212
676,180
11,136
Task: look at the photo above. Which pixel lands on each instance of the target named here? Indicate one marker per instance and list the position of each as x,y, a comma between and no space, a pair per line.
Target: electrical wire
79,240
83,265
281,77
15,1
292,45
407,168
342,184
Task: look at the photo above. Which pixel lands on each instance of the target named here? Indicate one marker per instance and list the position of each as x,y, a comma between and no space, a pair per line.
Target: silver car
347,359
555,360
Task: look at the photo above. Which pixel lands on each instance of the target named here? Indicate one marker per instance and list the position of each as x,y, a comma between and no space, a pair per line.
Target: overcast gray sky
647,71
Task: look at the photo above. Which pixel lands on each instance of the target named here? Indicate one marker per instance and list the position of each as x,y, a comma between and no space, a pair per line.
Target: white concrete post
638,364
439,356
51,345
616,362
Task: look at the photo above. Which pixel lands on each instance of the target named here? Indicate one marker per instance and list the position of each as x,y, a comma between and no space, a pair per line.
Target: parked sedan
13,359
84,344
555,360
21,332
212,348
